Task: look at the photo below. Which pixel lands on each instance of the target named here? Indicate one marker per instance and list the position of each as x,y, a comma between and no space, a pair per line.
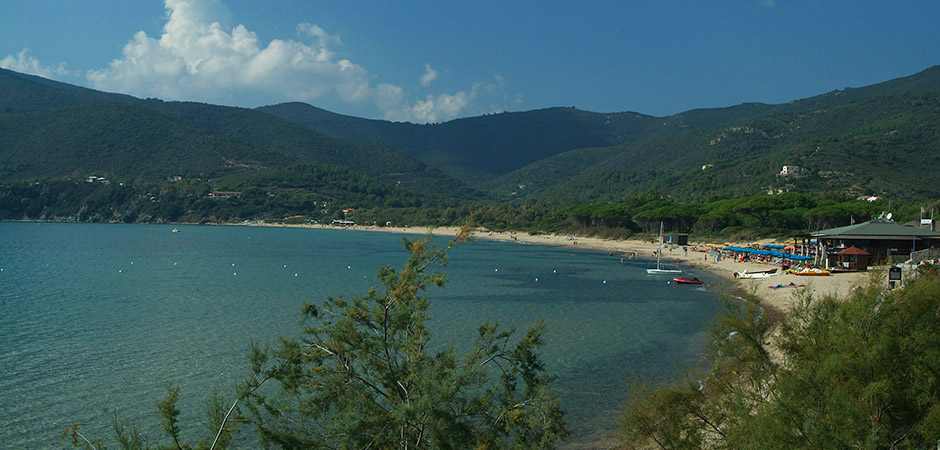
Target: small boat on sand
812,273
660,269
680,280
756,273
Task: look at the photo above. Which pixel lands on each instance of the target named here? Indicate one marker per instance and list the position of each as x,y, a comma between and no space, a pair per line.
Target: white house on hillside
790,170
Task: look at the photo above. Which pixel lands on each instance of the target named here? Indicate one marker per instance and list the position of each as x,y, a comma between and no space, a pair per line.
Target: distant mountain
481,148
576,155
473,148
53,129
879,139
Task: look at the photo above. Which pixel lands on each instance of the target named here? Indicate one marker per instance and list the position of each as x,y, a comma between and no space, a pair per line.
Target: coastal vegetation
363,375
853,372
307,193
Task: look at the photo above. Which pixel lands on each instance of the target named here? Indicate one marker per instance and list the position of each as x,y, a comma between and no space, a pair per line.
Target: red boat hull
687,280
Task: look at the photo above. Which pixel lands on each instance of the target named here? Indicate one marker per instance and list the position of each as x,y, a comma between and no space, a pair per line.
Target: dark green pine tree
363,376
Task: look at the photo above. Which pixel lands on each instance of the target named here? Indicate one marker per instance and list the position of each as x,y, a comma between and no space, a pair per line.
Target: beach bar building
884,240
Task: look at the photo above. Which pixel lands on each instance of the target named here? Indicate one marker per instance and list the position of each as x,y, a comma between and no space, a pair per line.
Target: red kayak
680,280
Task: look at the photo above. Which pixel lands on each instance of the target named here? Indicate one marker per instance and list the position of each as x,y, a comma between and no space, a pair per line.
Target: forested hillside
54,130
877,139
480,147
888,146
520,169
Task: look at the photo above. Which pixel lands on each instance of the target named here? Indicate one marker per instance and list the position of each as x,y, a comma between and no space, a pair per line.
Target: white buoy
234,273
554,271
349,267
295,274
605,281
495,270
174,264
536,279
132,262
120,271
233,264
285,265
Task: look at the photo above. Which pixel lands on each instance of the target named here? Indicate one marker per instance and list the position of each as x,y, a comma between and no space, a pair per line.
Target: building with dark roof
882,238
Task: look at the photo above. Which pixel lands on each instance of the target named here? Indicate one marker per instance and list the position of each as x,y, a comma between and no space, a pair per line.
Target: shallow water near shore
95,318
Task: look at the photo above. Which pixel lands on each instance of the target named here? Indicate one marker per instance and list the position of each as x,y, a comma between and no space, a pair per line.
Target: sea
97,319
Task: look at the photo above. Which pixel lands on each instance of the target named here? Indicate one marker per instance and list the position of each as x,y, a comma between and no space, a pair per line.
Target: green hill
565,153
481,148
472,148
55,130
879,139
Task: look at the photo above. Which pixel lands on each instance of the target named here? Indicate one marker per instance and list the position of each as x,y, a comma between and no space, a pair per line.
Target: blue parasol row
773,253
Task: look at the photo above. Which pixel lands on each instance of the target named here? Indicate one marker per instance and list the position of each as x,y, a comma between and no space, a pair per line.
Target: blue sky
433,61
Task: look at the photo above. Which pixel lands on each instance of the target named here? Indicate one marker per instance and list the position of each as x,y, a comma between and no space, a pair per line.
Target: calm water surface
95,318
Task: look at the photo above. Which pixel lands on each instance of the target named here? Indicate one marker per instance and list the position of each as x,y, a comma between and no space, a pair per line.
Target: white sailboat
660,269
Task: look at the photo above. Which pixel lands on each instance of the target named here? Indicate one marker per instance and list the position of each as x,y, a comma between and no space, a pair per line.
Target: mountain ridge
883,130
502,150
248,140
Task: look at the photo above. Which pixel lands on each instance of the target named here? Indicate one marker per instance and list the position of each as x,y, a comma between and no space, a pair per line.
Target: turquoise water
95,318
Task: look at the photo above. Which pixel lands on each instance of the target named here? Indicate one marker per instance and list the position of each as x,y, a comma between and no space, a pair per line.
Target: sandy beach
696,259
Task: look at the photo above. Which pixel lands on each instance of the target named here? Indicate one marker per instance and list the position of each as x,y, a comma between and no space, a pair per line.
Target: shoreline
721,279
783,299
697,258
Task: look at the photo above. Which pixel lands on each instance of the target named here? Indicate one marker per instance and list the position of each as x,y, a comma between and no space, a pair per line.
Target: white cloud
27,64
195,58
429,75
389,97
767,3
442,107
323,38
433,108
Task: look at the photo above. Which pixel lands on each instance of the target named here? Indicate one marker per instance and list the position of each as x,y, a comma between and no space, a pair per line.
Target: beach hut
853,258
678,239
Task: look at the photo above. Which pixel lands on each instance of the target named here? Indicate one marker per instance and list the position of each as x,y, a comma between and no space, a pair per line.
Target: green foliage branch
859,372
363,376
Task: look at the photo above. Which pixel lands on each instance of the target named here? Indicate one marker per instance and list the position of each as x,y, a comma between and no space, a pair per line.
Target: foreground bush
861,372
